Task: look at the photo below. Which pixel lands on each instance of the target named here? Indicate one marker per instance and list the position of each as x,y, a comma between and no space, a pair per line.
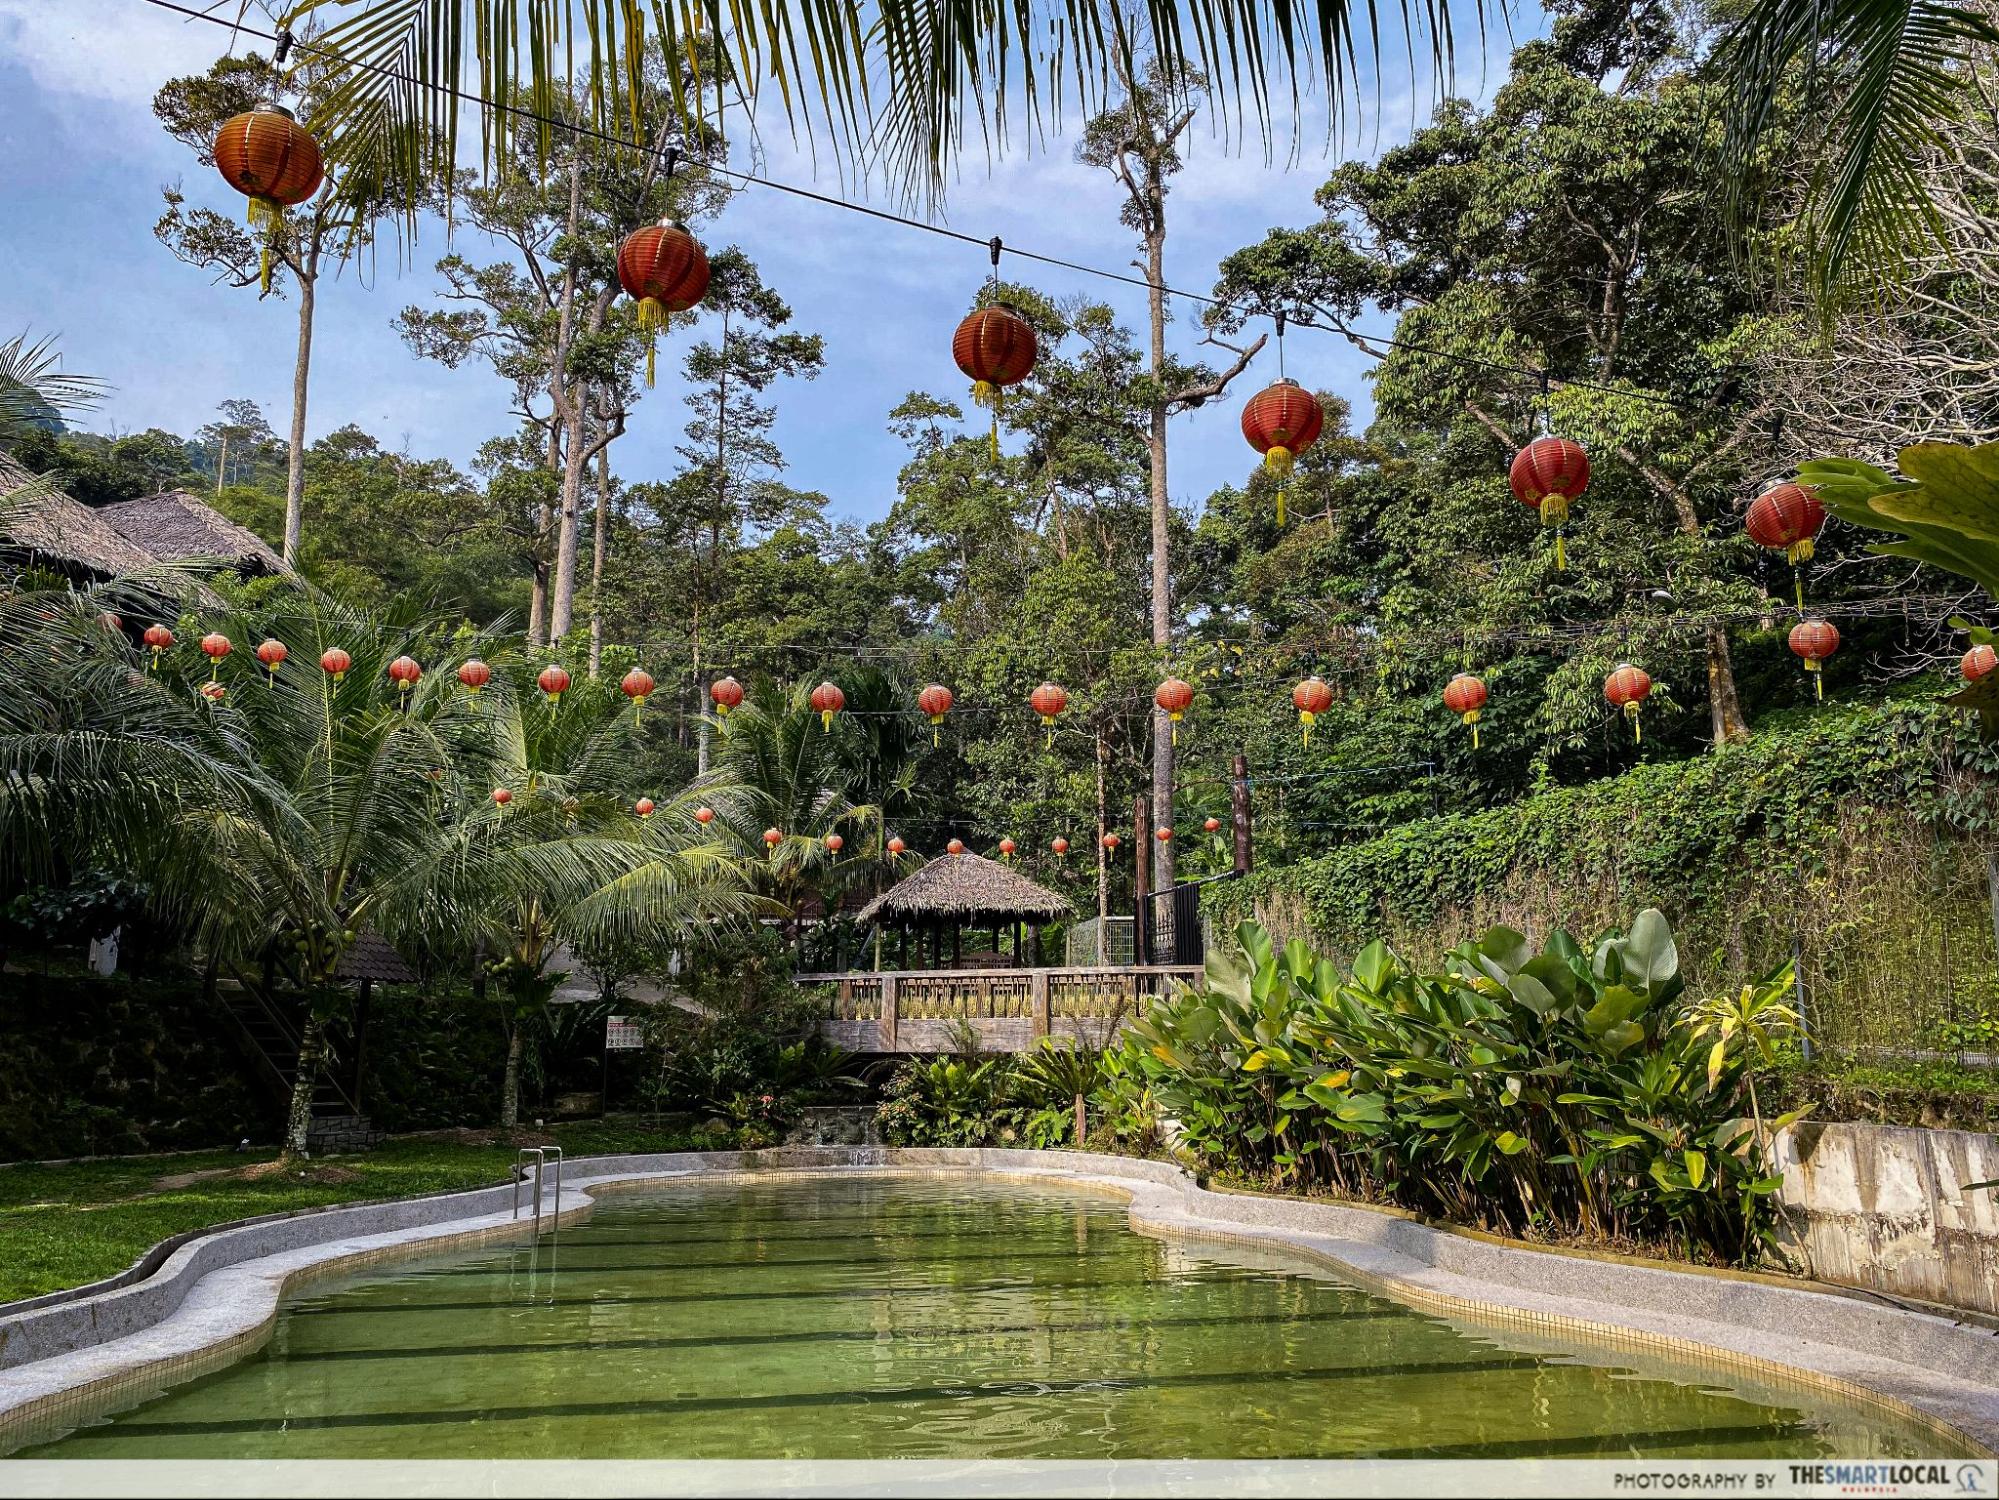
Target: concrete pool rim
215,1297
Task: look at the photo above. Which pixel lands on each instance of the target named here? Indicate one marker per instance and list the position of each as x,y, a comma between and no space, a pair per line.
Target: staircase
269,1032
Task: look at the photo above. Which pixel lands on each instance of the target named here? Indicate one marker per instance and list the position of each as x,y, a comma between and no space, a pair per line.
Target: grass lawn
64,1226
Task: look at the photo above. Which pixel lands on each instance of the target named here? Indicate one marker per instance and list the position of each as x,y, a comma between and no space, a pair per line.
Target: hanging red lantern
1464,696
896,845
1978,661
637,685
725,693
935,702
835,843
644,807
956,846
272,654
335,662
827,700
111,621
665,268
1281,421
213,691
161,640
1174,698
1815,640
474,675
404,672
501,796
995,348
271,159
1627,687
1059,845
1787,518
1548,475
1048,700
554,682
1311,697
1212,825
1164,835
214,646
704,815
772,838
1111,842
1006,848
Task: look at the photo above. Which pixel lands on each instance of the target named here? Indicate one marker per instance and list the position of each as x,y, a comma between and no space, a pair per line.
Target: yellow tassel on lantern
652,317
1280,461
1818,678
1306,719
1555,513
1800,553
1637,732
1471,718
1048,723
269,215
1174,731
825,721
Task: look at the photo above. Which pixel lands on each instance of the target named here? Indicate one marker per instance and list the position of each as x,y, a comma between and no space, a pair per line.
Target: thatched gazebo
175,526
956,891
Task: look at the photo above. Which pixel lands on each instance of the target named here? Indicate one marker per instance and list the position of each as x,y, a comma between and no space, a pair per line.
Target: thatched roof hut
174,526
49,529
962,889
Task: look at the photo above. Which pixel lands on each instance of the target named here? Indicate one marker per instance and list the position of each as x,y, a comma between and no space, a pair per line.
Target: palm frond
34,387
1886,79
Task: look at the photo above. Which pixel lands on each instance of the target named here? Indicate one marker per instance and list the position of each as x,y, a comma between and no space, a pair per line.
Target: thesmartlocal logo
1873,1477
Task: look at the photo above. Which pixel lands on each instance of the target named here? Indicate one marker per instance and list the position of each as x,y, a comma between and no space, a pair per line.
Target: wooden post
361,1006
957,945
1018,928
1239,812
1037,989
891,987
1141,881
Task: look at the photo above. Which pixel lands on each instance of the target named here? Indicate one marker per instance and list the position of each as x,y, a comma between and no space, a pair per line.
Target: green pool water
896,1317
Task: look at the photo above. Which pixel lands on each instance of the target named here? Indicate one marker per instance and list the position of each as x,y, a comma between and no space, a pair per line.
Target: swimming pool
882,1316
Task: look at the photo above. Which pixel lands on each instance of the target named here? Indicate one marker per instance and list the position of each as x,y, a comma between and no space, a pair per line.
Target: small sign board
623,1034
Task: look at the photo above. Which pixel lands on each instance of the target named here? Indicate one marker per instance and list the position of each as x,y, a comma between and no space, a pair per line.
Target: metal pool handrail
541,1155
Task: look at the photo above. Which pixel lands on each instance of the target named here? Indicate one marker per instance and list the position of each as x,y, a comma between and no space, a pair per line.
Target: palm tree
35,390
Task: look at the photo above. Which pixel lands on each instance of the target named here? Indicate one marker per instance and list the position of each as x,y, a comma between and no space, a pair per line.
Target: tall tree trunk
1162,571
562,592
1103,827
308,284
510,1081
221,465
305,1081
597,558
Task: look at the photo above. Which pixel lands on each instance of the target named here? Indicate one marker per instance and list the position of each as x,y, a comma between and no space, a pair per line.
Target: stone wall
1887,1208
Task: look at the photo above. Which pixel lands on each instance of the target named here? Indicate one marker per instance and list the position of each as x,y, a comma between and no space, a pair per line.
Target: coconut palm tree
35,391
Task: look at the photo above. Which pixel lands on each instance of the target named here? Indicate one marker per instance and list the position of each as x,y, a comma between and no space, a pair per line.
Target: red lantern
404,672
1627,687
1978,661
272,654
111,621
474,674
704,815
666,269
213,691
1311,697
1006,848
335,662
214,646
554,682
1048,700
1164,835
1547,475
827,700
637,685
1464,696
935,701
896,845
1060,846
1111,842
1281,421
1815,640
995,348
1212,825
835,843
501,796
956,846
161,640
725,693
1787,518
1174,697
643,807
272,160
772,838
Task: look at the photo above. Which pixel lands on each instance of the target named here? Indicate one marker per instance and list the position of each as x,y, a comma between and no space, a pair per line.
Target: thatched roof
370,957
175,526
965,888
54,527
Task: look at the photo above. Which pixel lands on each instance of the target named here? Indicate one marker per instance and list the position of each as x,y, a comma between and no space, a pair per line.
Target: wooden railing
918,1010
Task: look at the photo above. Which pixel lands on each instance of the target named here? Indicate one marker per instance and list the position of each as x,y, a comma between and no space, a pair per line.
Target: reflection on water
880,1318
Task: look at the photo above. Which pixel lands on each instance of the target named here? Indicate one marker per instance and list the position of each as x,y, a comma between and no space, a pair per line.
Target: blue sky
82,163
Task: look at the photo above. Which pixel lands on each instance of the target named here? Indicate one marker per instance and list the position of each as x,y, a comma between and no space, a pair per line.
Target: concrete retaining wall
1885,1208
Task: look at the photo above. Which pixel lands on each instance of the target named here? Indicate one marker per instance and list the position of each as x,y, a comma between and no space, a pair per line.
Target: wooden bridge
1009,1010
